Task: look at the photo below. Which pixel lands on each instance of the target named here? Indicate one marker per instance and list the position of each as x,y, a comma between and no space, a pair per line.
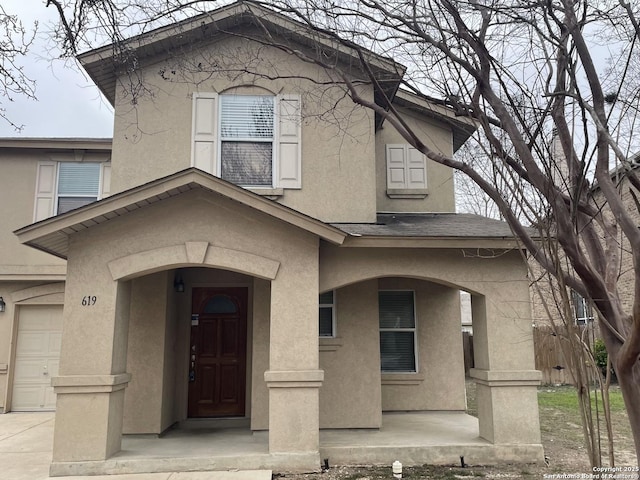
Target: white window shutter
204,131
45,191
105,184
396,166
417,169
288,148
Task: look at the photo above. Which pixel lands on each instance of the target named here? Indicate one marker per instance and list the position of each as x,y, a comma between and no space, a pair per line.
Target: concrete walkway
25,454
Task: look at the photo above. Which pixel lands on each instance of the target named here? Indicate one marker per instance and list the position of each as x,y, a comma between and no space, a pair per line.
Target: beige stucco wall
260,360
350,394
438,137
144,397
338,145
18,170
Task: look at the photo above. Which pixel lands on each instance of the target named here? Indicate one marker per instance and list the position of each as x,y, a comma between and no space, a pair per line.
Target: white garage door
37,357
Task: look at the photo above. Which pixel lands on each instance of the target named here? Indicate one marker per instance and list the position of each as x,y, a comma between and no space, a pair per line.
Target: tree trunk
630,387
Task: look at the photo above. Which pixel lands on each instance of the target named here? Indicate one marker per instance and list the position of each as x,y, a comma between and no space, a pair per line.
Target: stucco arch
192,254
52,293
364,278
247,89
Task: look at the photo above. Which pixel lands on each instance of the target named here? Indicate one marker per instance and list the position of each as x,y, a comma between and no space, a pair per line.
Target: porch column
504,370
294,377
92,376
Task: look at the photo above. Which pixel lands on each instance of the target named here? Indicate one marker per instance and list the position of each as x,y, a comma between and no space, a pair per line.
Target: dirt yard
561,437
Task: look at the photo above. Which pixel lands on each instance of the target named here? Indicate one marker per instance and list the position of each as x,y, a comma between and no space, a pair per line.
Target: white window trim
103,188
333,315
414,330
586,307
274,143
286,168
56,195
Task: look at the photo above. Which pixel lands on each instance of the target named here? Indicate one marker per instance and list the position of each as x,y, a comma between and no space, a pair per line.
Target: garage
37,357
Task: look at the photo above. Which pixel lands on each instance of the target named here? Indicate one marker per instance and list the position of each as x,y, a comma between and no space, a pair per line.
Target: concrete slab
222,453
26,441
24,466
14,423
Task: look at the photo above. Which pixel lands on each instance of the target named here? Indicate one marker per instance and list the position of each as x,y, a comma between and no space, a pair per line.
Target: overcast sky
69,104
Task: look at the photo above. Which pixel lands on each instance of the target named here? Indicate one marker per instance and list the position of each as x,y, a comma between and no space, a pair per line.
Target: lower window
327,314
397,331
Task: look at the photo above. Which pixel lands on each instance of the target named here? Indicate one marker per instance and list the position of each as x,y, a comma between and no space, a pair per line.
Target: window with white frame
65,186
78,185
397,316
327,314
246,139
249,140
406,171
583,313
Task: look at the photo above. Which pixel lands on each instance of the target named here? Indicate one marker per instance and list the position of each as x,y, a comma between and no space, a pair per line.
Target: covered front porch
128,324
412,438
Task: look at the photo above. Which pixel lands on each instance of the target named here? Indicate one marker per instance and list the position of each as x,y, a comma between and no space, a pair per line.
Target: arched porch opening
191,348
396,346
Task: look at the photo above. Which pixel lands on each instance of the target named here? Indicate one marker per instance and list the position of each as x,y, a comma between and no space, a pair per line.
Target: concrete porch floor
412,438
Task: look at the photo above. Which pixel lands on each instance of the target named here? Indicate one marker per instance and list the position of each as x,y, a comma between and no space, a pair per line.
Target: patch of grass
566,398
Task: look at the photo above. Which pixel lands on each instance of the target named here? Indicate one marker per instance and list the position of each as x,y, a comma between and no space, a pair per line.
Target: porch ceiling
52,235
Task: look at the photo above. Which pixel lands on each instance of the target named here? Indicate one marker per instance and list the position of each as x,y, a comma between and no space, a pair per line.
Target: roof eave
102,67
34,235
388,241
462,127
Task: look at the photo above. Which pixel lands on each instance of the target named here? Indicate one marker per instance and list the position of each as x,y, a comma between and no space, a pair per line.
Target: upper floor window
249,140
406,172
246,139
78,185
65,186
583,312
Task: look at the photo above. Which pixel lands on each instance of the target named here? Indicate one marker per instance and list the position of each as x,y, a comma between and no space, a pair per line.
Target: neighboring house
239,250
550,320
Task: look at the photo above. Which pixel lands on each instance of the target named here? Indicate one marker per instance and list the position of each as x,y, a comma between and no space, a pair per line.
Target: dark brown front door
217,363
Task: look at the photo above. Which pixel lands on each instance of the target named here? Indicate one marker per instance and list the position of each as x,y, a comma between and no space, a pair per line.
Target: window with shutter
250,140
406,172
396,310
65,186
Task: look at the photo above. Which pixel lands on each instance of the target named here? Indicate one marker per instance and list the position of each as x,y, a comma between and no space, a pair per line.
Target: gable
239,18
53,235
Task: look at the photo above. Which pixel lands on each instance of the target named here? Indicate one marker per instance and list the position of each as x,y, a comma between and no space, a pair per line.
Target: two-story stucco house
253,247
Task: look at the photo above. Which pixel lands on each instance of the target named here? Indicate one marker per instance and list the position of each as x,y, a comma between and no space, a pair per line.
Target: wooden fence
467,346
550,359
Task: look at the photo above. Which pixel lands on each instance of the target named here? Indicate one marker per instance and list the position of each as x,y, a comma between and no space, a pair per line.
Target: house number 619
89,300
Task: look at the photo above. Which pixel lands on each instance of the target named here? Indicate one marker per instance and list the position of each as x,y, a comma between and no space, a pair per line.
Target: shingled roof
441,225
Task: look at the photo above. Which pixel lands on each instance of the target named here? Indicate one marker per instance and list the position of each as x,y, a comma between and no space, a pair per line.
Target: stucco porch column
92,376
505,376
294,377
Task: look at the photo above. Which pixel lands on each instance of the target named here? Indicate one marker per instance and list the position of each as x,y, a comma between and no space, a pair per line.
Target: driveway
25,454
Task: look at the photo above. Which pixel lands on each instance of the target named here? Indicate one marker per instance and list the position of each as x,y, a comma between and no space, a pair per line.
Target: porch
413,438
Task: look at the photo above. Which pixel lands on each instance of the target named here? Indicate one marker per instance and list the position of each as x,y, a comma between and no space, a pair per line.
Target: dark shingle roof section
447,225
